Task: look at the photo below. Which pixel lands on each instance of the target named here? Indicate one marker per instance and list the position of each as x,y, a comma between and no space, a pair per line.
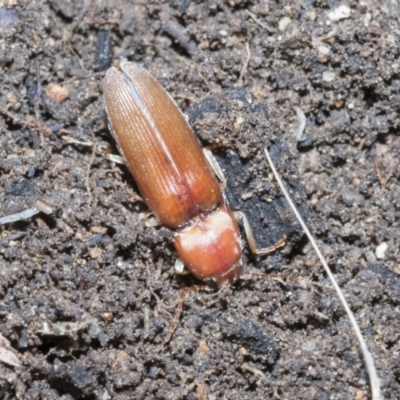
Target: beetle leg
107,149
179,267
213,163
115,159
149,218
250,237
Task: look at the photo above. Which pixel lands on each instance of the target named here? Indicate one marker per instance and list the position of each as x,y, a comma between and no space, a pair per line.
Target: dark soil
88,292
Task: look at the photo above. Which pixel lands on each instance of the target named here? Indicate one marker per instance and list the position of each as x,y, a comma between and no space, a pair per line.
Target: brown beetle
174,176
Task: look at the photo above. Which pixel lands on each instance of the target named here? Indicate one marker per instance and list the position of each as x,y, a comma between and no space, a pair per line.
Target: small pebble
283,23
341,12
380,250
328,76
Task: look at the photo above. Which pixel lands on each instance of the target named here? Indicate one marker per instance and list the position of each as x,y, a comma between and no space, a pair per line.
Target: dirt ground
88,292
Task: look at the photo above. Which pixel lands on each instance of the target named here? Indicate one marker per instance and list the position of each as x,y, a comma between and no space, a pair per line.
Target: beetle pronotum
174,176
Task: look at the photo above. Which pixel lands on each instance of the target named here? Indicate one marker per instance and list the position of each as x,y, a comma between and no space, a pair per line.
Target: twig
7,353
15,119
373,377
302,123
40,206
245,65
182,296
256,372
87,180
282,278
38,125
150,285
257,21
382,180
38,95
71,140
